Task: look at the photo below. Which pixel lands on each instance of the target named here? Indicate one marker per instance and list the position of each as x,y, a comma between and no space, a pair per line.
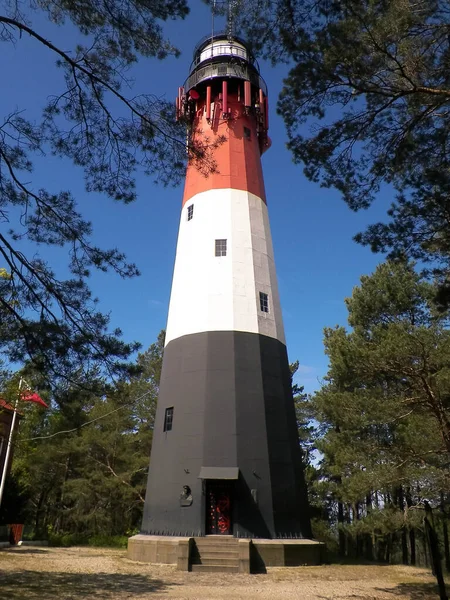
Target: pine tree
383,412
93,119
80,468
366,103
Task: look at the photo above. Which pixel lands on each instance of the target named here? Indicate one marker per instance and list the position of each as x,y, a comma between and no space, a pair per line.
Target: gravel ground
28,573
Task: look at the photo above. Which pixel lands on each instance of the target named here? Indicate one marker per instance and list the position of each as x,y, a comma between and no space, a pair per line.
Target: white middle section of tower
211,293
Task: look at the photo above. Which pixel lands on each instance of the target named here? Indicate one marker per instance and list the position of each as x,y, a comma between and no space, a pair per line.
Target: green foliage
111,541
65,540
366,103
94,120
323,533
304,415
82,465
383,416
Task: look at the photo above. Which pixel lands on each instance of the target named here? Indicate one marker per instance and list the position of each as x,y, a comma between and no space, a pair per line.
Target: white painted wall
223,48
212,293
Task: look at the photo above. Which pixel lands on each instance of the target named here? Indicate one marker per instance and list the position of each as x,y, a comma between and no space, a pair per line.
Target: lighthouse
225,458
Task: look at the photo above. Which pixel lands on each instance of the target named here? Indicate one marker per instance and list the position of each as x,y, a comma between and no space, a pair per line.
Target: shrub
65,540
109,541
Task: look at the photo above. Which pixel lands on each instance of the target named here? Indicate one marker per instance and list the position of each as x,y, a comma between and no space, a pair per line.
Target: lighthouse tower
225,457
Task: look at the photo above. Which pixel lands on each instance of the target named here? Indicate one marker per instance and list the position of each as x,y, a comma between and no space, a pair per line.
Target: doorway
219,507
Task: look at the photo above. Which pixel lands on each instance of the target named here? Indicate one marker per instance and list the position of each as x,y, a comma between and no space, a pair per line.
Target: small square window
168,419
190,212
264,302
247,133
221,247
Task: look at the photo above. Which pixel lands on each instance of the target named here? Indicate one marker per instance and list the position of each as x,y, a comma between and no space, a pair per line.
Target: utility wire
47,437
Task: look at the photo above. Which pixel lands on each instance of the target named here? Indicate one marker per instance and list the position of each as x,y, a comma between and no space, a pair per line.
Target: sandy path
28,573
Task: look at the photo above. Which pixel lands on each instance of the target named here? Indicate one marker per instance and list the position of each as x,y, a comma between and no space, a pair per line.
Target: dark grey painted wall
233,407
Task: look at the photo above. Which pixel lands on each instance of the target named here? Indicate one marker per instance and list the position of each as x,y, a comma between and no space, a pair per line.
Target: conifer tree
80,468
384,411
92,118
366,102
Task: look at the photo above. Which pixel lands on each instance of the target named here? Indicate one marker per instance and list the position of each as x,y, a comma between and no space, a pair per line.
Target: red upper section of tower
225,104
236,160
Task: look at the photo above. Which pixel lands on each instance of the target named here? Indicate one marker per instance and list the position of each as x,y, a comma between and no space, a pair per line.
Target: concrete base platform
159,549
286,553
262,553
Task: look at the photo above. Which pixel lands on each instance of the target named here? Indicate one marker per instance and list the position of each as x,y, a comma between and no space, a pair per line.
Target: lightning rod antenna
213,12
232,9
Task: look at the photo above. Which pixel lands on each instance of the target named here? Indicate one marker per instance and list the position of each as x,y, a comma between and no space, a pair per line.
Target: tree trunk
425,549
40,509
446,545
368,537
445,534
351,539
341,533
412,533
434,552
412,546
358,537
401,506
389,540
59,503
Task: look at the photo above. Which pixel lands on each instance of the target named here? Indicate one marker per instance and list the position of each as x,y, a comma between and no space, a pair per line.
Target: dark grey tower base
233,425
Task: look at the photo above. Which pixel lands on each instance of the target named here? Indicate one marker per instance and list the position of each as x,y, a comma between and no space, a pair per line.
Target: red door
218,508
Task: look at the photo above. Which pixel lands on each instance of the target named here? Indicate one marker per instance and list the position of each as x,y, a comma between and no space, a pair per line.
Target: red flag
33,397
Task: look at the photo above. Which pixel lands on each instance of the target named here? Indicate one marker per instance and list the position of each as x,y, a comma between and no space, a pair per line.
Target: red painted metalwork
15,533
218,518
223,514
261,109
238,159
266,111
247,94
225,97
208,102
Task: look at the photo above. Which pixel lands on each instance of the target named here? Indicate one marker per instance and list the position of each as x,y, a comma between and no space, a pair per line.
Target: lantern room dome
218,56
220,46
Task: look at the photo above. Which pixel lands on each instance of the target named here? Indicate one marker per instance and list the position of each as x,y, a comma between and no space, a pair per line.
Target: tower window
264,302
168,419
247,133
190,212
221,247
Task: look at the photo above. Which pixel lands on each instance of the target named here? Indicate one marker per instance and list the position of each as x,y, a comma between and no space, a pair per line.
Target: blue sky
318,264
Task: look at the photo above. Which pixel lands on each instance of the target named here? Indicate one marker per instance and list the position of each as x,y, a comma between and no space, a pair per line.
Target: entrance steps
210,553
217,554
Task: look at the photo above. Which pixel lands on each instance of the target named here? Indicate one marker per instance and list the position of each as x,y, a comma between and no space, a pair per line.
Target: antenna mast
232,10
226,8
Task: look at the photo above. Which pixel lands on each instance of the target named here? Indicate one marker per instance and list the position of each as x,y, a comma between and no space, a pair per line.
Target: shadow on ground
414,591
31,585
22,550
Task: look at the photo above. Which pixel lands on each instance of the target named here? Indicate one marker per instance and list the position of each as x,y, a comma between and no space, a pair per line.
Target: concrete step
225,562
217,543
215,568
215,548
208,553
217,539
215,554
